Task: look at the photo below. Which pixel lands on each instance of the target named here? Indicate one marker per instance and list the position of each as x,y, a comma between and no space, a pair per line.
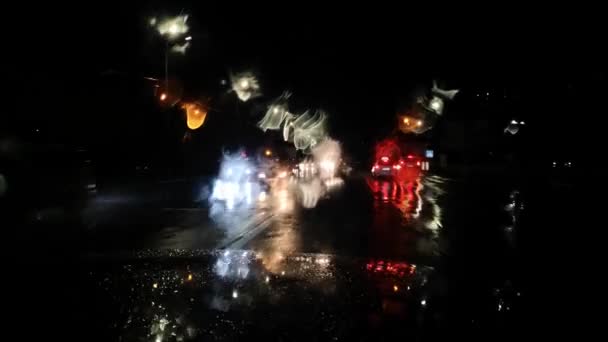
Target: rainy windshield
190,172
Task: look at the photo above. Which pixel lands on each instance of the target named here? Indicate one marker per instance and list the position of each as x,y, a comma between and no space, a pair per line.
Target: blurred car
391,167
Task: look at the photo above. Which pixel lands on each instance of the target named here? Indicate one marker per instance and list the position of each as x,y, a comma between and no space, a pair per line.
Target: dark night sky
360,64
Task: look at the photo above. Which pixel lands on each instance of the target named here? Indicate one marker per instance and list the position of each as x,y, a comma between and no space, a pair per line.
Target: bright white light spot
173,27
245,85
282,174
282,273
226,253
267,280
235,294
188,38
436,104
248,171
155,285
419,123
522,123
423,302
261,175
513,122
262,196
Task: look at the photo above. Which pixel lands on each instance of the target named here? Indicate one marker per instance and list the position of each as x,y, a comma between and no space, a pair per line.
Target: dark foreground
427,259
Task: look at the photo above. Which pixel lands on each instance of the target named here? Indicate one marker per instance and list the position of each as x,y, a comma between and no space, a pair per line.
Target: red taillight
418,163
397,167
409,156
384,159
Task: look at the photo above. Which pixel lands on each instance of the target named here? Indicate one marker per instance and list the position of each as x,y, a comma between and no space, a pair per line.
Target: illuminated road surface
362,217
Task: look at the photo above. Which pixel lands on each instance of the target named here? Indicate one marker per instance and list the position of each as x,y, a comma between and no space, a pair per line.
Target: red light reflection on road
404,194
393,268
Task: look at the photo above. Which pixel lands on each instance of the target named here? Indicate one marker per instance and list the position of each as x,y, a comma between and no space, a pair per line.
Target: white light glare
262,196
276,113
447,94
435,104
180,48
172,27
245,85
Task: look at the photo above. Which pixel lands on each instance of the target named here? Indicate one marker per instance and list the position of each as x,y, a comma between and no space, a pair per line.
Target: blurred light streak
180,48
276,113
446,94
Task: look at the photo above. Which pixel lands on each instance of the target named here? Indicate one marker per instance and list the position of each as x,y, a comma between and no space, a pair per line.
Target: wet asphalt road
363,217
492,243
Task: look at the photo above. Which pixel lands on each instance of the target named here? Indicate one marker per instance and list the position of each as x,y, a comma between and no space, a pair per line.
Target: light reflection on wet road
370,244
362,217
367,217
